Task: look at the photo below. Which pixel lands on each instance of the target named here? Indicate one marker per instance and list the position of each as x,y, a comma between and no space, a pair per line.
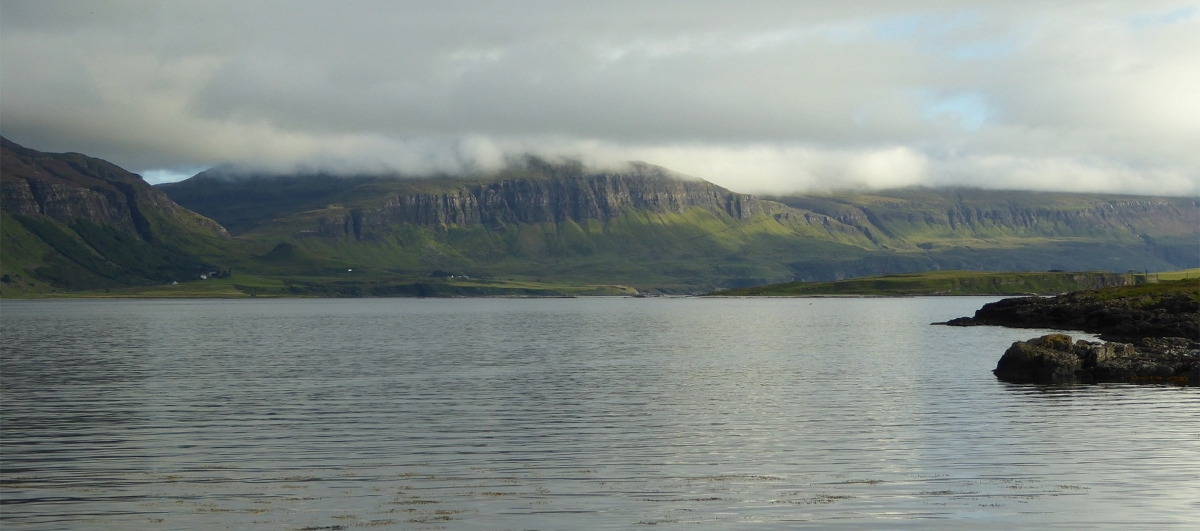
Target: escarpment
69,188
547,200
75,222
917,216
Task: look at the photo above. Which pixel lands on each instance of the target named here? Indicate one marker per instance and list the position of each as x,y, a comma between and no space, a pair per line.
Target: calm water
566,414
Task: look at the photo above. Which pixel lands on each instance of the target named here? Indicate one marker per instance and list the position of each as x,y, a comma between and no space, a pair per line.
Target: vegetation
238,286
1148,294
549,229
966,283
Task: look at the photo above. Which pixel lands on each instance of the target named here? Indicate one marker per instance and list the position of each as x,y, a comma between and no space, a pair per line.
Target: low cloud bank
755,168
760,97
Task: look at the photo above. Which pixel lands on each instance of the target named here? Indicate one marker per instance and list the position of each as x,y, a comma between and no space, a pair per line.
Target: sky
759,97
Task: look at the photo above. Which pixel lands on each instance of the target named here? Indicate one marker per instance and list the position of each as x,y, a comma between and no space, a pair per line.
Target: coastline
1151,334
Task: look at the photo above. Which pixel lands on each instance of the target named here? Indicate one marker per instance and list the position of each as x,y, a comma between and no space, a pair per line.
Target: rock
1054,359
1047,359
578,198
69,188
1174,312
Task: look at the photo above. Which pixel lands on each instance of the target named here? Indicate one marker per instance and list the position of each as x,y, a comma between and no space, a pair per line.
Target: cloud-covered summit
763,96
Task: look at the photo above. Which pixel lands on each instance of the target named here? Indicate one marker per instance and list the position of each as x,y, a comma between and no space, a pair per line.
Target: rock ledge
1054,359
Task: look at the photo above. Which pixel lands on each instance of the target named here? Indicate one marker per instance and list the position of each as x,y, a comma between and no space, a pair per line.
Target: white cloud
756,97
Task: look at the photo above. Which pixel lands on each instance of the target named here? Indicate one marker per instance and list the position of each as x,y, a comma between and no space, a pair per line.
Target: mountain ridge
73,222
642,226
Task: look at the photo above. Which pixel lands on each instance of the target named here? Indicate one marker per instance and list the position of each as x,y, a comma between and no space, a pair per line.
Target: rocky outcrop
1153,334
35,194
1055,359
1169,313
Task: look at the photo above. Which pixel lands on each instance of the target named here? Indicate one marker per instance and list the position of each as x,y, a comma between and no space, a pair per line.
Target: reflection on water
566,414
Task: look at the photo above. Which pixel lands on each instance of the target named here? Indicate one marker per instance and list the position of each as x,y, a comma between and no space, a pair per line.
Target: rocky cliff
76,222
366,207
69,187
668,227
579,198
934,218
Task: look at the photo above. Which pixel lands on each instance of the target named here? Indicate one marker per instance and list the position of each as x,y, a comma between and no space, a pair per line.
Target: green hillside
954,220
73,223
415,226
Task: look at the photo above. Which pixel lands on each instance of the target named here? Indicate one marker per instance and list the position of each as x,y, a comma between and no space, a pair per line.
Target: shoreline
1150,334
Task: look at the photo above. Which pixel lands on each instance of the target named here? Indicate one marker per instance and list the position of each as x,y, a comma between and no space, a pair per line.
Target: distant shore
941,283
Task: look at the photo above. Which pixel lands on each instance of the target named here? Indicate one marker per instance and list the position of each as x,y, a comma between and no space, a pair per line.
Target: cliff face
922,215
70,187
76,222
552,200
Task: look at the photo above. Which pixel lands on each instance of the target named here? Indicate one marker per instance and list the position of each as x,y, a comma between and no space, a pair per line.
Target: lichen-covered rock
1054,359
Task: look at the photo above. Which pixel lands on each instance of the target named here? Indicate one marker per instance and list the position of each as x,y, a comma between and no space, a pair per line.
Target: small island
1151,333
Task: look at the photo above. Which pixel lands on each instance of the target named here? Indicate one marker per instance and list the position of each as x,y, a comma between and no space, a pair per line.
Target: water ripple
566,414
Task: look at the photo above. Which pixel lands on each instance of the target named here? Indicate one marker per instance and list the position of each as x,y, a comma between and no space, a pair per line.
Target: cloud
764,97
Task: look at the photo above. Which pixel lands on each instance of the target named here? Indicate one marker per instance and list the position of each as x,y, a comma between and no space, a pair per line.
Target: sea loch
567,414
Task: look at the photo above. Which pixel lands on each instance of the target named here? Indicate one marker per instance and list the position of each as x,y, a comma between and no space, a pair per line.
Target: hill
1001,230
73,222
642,226
647,227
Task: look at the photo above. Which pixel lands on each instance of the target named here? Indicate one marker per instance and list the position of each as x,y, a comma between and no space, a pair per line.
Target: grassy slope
955,218
41,255
669,252
911,232
21,252
953,283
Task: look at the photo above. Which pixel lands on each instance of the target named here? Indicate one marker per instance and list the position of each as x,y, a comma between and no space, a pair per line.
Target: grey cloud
762,96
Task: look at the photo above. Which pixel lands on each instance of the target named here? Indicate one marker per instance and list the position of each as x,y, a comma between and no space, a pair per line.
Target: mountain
1001,230
934,218
642,226
75,222
648,227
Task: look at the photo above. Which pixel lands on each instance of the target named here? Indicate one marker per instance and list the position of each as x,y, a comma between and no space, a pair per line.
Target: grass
1179,275
240,286
1150,293
951,283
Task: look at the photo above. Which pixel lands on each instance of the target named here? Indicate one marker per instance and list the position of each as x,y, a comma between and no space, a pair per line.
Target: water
566,414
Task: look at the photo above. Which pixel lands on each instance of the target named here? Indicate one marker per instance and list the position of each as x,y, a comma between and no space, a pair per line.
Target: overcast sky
757,97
